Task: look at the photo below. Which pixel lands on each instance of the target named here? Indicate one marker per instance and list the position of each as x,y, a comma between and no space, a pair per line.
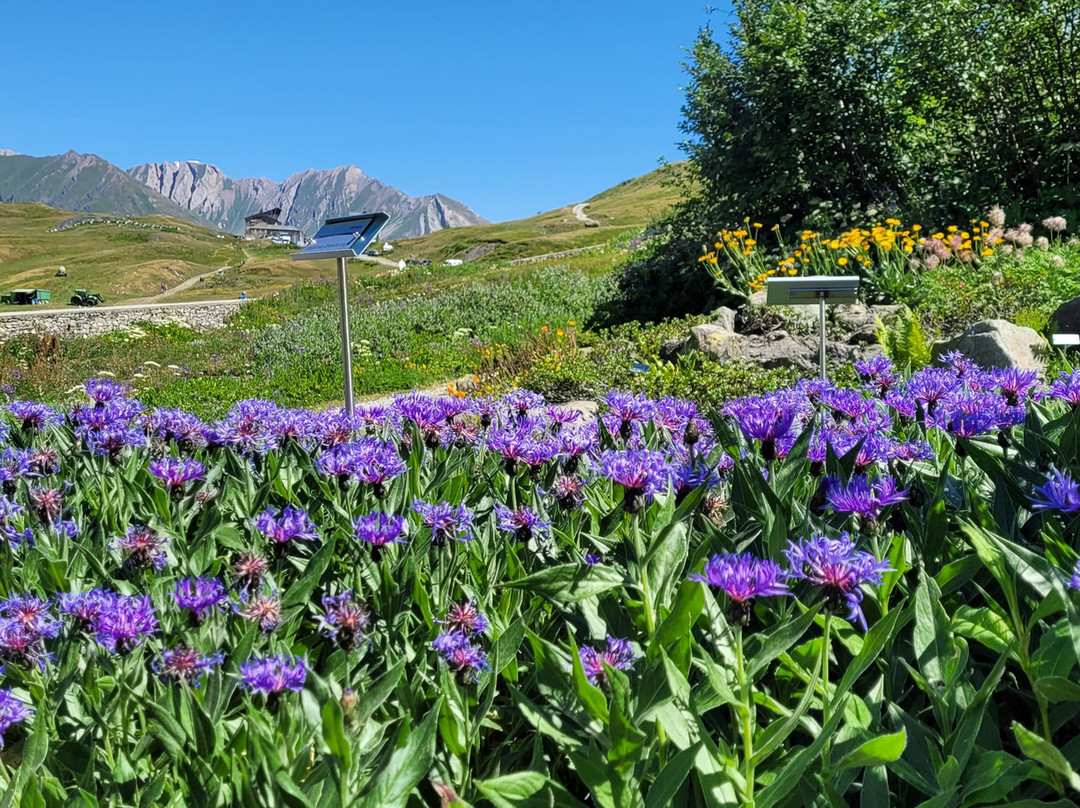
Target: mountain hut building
265,225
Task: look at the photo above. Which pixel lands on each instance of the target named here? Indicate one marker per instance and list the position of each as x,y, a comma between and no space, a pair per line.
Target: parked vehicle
26,297
85,298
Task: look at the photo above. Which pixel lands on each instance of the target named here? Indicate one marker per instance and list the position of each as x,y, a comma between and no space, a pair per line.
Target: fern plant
905,342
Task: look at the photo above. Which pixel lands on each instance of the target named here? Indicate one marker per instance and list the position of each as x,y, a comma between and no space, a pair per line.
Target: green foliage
905,342
1025,286
828,112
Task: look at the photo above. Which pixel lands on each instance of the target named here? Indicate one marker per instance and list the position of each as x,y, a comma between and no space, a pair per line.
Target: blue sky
509,107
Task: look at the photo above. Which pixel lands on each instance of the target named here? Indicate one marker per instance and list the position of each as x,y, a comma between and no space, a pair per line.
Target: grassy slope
620,209
127,261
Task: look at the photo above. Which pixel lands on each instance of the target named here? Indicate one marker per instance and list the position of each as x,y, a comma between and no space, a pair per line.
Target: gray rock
864,336
714,341
586,408
724,317
854,317
998,343
672,348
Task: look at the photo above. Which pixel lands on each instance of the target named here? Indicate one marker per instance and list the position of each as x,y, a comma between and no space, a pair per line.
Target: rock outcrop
997,344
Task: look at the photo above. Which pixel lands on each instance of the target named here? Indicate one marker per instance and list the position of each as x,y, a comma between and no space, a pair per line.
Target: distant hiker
243,295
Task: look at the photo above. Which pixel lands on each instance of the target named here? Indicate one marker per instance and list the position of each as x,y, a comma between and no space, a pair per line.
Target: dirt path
180,287
579,214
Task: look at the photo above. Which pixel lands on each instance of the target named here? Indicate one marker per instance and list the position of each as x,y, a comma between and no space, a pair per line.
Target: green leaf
333,732
372,698
1045,753
930,633
509,790
876,751
301,590
1058,688
570,582
761,650
671,777
406,765
504,649
983,625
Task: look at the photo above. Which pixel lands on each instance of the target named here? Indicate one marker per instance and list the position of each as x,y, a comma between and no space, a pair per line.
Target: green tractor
85,298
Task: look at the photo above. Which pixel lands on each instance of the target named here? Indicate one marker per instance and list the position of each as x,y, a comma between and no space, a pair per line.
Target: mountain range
201,193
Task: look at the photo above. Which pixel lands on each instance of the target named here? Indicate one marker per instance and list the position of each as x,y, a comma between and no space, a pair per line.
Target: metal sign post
820,289
343,238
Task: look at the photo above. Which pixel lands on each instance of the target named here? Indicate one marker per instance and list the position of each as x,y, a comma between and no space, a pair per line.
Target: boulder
714,341
854,317
997,343
724,318
671,349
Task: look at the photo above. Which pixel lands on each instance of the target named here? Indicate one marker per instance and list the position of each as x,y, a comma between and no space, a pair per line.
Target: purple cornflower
863,497
641,473
376,464
25,623
879,372
1074,582
282,527
460,655
446,522
465,617
592,559
1067,387
767,419
182,428
199,596
184,664
344,620
143,548
47,503
625,410
101,391
264,609
12,711
847,404
743,578
519,401
839,569
273,675
248,571
524,523
130,620
1014,383
176,472
32,415
248,427
569,491
379,530
1059,493
87,607
617,654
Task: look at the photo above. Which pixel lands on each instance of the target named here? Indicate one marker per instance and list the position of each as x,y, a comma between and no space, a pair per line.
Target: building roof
276,228
270,216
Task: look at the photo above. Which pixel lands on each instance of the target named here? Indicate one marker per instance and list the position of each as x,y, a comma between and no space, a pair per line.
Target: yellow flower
749,242
842,261
757,224
915,228
952,228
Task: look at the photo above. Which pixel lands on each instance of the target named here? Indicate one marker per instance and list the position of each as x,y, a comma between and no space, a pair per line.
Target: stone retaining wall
91,322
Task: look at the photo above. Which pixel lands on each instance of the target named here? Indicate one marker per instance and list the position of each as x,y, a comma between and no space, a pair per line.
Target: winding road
579,214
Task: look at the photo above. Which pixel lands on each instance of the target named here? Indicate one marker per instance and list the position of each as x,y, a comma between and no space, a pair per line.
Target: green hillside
620,209
128,260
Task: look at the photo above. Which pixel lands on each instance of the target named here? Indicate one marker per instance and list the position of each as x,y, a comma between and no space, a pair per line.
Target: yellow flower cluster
885,243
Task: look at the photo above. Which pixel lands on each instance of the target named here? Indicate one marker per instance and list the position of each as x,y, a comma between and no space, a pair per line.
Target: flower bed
854,594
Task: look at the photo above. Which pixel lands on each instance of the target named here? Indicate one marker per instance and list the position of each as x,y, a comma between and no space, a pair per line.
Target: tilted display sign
343,238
